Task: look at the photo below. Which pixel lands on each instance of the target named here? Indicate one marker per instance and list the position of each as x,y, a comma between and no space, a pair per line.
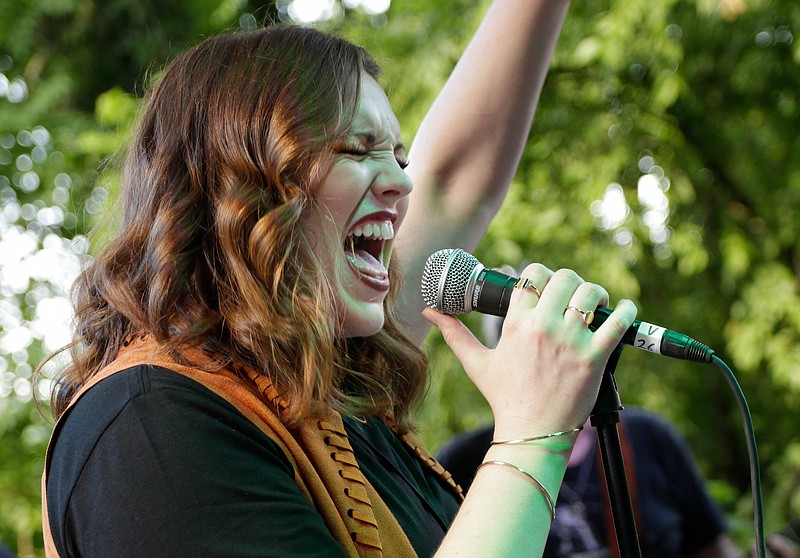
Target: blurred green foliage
683,111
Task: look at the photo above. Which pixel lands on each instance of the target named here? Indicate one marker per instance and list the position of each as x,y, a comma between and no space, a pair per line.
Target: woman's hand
545,372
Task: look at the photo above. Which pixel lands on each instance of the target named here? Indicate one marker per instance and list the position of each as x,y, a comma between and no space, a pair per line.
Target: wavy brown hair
210,252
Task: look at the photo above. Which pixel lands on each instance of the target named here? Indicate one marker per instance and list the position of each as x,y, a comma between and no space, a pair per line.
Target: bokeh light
311,11
612,210
372,7
651,188
37,264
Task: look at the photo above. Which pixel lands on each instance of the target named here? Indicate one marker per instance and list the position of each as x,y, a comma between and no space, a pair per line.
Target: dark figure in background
675,515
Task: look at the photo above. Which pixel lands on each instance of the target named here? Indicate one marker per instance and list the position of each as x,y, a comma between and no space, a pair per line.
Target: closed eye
354,151
360,152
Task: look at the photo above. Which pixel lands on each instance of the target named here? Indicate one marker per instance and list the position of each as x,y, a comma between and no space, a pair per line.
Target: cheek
338,198
321,235
402,210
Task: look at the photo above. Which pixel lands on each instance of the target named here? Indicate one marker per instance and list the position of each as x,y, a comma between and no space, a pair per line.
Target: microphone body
455,282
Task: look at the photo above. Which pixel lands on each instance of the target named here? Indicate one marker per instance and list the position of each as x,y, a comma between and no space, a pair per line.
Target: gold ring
526,284
588,317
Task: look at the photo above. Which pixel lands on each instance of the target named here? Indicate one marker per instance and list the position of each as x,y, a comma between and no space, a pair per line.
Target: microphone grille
446,278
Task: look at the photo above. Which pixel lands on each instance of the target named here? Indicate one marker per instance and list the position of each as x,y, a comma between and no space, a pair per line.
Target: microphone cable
752,453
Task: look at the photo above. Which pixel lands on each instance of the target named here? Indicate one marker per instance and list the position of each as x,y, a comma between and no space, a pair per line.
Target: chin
364,323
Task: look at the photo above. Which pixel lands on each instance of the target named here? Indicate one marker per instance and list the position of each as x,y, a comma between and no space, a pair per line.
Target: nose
392,182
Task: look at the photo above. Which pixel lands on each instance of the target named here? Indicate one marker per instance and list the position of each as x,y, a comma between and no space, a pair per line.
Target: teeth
383,230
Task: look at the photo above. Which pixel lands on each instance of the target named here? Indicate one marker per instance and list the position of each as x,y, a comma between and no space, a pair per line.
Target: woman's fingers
608,335
567,288
584,301
468,350
564,298
528,289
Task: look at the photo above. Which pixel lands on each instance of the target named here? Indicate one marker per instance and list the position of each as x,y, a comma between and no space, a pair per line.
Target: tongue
367,263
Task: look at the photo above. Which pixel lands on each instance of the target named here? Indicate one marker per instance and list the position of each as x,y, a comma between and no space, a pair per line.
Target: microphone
455,282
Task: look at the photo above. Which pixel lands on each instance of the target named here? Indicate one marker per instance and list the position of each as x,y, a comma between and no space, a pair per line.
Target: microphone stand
604,418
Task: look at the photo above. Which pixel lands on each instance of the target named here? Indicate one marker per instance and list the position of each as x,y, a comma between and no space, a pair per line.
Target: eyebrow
371,138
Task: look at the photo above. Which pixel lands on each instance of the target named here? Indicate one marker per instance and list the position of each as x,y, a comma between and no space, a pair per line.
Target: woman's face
362,198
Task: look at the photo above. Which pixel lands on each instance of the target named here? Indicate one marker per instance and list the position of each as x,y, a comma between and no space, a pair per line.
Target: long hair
210,252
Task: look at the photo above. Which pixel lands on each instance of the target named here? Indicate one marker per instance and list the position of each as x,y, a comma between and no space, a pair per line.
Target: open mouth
365,248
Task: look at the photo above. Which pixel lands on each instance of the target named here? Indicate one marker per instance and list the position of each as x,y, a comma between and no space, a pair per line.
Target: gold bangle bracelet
535,438
547,498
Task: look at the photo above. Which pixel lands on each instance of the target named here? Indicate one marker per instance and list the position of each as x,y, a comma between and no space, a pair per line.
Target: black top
151,463
677,515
